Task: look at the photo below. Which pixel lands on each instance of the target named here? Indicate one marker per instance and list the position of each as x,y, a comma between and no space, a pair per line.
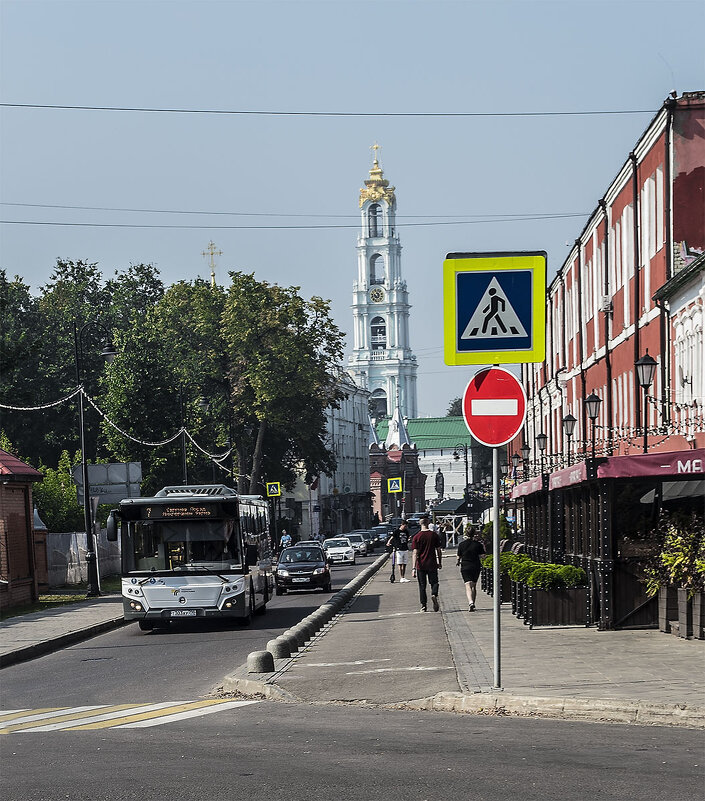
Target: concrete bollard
291,639
300,633
260,662
279,648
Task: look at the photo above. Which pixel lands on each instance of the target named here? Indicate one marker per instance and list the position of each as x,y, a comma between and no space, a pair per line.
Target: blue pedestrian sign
494,308
394,485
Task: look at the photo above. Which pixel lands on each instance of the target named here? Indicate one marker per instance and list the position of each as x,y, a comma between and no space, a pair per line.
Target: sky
278,193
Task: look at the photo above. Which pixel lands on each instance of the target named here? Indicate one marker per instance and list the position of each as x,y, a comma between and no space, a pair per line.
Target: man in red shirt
426,562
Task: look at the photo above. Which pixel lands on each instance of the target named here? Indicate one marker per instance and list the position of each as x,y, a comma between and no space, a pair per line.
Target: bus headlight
136,605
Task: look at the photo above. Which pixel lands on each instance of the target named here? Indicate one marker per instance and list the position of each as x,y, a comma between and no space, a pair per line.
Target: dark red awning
645,465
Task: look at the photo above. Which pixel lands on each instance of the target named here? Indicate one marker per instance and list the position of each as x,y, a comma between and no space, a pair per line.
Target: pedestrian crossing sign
394,485
494,308
274,489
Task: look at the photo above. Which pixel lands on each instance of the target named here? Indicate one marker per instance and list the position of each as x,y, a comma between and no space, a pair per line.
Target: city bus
192,553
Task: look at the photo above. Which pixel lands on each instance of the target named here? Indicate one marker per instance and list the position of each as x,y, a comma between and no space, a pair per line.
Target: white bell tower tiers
381,360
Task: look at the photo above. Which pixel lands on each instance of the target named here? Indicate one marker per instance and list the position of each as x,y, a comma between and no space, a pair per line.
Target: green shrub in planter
572,576
545,577
522,569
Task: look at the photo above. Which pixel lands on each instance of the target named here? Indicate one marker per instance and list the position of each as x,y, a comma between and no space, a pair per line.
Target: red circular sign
494,406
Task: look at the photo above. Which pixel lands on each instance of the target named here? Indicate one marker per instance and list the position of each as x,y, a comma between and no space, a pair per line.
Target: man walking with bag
426,562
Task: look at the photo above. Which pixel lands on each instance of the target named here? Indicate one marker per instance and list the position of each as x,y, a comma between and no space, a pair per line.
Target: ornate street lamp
462,446
525,450
645,370
569,427
541,443
108,353
592,404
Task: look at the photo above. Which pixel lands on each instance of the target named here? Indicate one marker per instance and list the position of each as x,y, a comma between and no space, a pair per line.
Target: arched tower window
376,269
374,219
378,404
378,339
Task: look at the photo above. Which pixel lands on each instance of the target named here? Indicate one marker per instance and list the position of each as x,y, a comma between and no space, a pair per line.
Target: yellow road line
155,713
22,713
71,715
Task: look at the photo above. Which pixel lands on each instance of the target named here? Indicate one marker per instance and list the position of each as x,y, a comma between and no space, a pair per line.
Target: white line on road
193,713
345,664
396,670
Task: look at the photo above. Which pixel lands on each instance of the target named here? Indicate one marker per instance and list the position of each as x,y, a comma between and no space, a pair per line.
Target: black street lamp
645,370
541,443
525,450
456,456
108,353
515,461
592,403
568,427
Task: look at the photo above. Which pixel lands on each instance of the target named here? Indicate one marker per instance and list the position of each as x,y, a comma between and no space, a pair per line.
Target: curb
57,643
597,710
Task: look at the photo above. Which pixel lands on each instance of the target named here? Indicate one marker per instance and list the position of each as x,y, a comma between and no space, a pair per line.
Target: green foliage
550,576
680,559
56,498
507,561
505,530
572,576
522,569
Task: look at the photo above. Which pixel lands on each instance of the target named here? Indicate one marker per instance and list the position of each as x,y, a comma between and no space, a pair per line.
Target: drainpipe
637,288
581,343
668,184
608,353
665,345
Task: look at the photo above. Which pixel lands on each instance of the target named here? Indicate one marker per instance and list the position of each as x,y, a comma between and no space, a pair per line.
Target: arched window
378,404
376,269
378,339
374,219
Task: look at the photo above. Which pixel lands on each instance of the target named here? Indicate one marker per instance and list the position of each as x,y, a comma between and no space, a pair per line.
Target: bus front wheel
146,625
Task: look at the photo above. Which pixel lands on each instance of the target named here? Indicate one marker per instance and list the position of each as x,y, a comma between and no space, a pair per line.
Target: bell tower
381,360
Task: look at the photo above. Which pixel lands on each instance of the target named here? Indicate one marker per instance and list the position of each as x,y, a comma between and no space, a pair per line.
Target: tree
284,354
455,408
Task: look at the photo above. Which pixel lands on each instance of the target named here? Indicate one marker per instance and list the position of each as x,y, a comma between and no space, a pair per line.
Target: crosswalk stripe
119,716
108,715
37,722
184,715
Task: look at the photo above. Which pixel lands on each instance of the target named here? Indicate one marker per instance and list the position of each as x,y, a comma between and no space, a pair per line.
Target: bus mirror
251,555
112,526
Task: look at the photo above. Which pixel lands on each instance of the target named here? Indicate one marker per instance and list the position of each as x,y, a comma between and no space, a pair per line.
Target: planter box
667,607
505,589
685,614
558,607
699,616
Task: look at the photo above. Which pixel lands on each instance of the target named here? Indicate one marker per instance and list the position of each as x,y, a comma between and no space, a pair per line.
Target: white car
358,542
339,550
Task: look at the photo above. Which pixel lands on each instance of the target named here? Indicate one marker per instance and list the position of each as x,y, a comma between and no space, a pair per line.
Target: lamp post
568,427
504,472
645,369
108,353
525,450
592,402
541,443
456,456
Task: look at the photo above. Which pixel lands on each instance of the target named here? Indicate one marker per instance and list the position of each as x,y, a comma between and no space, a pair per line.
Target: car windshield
355,538
338,543
292,555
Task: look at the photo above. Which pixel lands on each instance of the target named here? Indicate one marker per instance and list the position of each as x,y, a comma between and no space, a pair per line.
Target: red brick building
18,575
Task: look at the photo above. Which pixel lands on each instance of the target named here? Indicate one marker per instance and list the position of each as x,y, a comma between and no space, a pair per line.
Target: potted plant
557,595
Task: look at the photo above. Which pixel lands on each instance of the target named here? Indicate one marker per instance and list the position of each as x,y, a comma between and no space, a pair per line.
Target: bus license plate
300,580
183,613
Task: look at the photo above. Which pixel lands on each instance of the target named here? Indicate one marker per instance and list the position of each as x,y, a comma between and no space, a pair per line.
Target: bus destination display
182,511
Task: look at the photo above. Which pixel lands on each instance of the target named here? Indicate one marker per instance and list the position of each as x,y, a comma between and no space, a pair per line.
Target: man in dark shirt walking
426,562
469,552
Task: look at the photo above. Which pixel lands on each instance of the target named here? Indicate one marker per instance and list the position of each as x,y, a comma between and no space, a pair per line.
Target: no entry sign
494,406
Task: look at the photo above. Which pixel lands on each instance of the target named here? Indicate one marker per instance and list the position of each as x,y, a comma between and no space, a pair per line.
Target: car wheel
280,591
265,600
353,561
328,587
146,625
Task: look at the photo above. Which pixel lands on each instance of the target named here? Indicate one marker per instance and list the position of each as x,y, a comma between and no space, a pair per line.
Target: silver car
358,542
339,550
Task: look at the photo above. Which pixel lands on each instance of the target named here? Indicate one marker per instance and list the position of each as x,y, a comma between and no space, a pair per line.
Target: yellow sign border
494,262
276,484
389,485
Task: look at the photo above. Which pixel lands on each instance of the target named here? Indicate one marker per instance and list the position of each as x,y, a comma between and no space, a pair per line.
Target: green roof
432,432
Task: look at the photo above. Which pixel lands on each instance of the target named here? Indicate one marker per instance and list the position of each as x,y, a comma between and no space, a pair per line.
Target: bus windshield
185,545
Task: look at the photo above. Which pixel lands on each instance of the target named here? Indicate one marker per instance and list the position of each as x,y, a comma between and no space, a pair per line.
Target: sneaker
423,609
472,607
436,607
405,580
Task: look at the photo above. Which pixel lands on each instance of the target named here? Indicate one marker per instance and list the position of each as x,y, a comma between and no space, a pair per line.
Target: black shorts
470,573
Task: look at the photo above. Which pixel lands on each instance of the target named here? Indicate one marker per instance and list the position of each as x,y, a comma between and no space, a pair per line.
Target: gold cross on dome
376,147
211,251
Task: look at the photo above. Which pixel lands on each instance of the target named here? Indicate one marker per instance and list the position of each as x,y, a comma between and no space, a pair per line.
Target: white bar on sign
497,407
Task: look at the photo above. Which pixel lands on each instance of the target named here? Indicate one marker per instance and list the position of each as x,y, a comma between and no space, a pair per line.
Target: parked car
302,568
383,533
370,537
358,542
339,550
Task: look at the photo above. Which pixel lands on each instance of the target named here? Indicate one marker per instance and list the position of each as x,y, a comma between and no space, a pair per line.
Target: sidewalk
382,650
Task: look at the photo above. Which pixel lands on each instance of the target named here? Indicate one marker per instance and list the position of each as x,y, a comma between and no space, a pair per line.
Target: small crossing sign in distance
274,489
394,485
494,308
494,406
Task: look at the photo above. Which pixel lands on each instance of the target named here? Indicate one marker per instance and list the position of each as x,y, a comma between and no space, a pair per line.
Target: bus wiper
145,580
210,571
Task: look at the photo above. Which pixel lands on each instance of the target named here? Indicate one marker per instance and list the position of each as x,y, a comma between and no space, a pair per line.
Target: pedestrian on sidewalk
469,552
402,550
426,562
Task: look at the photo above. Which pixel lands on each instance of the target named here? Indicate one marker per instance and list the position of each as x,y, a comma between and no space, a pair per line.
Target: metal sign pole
496,580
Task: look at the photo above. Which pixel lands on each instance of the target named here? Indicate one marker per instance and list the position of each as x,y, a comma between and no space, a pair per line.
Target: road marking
395,670
119,716
494,407
346,664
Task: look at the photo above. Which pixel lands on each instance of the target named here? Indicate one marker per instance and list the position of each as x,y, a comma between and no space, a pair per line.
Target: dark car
302,569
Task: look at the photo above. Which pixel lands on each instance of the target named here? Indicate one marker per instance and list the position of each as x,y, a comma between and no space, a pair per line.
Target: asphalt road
130,666
304,751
